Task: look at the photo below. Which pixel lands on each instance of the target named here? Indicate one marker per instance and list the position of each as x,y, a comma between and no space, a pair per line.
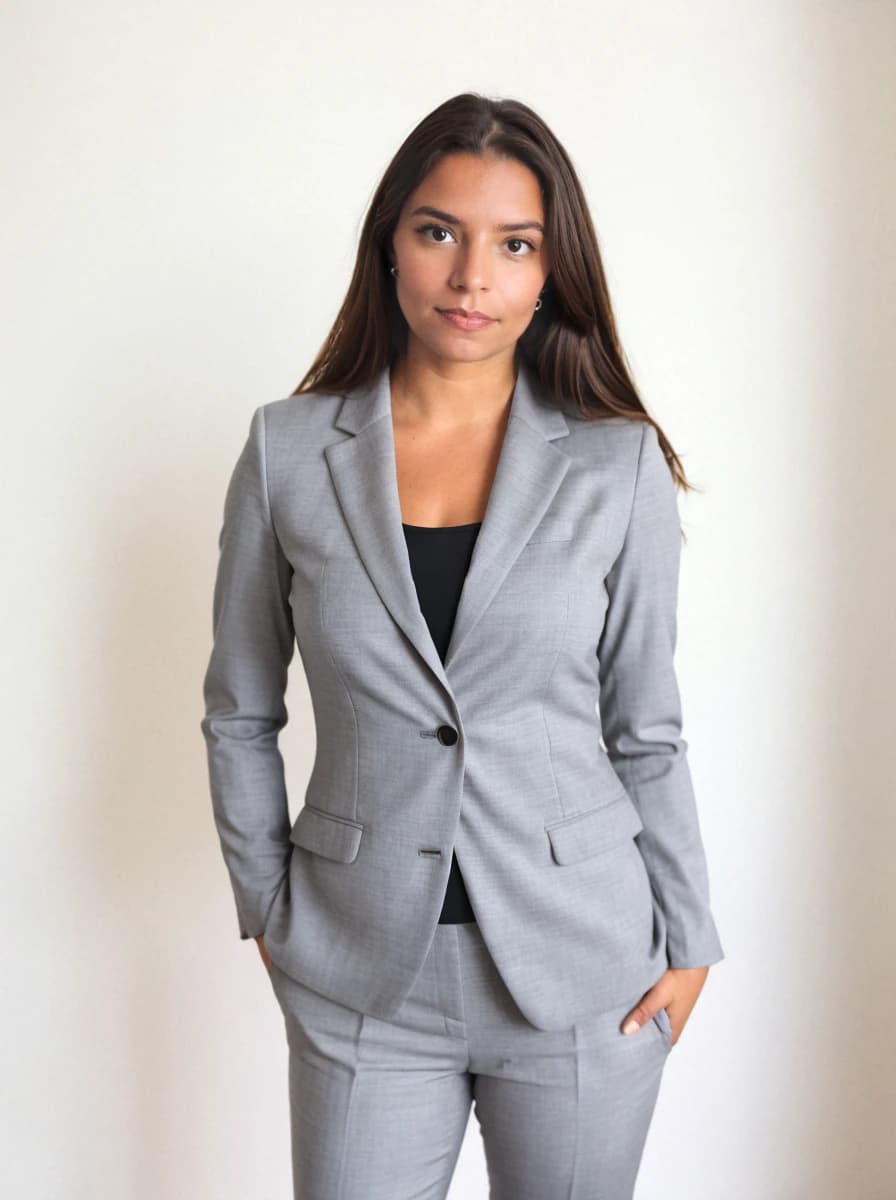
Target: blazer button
447,735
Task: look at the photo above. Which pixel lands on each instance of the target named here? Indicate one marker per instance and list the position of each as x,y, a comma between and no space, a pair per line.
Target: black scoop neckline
441,528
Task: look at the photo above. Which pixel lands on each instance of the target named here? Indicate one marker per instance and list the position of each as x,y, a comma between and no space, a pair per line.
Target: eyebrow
426,210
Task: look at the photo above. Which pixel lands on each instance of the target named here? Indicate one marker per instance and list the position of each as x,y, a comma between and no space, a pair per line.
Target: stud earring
393,270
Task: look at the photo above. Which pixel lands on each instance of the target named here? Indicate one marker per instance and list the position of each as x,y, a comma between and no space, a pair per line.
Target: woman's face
454,250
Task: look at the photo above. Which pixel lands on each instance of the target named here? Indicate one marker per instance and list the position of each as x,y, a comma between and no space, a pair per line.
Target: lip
467,321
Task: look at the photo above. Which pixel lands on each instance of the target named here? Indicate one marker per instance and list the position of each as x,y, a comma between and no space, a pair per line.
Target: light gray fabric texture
379,1109
583,860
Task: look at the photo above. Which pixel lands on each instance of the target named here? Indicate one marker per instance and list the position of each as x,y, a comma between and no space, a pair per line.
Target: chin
460,348
454,353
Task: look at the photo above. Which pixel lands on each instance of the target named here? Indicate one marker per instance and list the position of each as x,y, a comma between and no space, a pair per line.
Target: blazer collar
529,472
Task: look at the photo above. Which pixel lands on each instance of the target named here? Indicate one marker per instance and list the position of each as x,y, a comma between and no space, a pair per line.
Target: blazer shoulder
612,443
296,431
298,427
306,409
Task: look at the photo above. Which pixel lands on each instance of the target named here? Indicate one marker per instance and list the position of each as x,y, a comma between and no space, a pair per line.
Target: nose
472,268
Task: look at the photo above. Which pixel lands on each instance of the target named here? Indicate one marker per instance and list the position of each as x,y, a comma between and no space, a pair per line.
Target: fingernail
630,1026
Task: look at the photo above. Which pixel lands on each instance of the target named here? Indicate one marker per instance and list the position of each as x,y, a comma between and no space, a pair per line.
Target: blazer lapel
529,472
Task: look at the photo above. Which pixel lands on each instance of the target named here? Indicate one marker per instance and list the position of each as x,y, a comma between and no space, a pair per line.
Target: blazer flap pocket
551,529
328,835
583,834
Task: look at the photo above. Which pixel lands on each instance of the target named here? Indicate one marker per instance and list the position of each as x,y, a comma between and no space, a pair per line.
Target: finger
639,1017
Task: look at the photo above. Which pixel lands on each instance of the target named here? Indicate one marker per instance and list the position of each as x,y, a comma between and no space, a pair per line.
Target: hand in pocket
266,958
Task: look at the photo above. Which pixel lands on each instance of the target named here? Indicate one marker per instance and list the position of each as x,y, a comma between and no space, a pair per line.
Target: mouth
462,319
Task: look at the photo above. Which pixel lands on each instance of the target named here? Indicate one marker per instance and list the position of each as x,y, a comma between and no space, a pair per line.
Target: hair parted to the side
571,344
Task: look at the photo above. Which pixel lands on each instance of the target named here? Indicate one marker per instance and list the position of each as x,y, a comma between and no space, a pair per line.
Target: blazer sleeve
244,689
640,709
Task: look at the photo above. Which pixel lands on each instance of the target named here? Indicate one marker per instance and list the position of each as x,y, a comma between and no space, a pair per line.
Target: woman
466,520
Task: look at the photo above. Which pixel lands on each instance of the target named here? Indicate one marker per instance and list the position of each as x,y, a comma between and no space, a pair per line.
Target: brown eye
439,228
522,242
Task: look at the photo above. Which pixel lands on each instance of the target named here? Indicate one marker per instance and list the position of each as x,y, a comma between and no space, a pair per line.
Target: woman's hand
266,958
676,992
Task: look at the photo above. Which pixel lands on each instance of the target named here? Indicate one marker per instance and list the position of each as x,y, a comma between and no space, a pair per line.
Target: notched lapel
363,472
530,470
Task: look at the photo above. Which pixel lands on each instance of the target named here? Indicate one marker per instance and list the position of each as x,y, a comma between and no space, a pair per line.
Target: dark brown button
447,735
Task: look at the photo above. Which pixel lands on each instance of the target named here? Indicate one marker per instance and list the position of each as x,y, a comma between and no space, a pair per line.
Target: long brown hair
571,344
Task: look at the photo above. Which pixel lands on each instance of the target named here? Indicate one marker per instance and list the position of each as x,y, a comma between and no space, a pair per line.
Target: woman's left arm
641,721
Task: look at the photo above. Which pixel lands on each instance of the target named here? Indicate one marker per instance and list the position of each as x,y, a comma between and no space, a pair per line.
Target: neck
451,395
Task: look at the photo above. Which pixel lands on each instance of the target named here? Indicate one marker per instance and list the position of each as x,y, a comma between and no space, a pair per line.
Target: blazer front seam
322,595
544,691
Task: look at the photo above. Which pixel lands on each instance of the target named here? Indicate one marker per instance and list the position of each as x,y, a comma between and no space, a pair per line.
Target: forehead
478,188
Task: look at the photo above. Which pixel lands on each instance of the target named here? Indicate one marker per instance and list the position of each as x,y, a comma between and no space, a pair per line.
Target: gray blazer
582,858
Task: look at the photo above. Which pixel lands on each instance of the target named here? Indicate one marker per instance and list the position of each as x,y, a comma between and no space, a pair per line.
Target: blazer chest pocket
584,834
330,836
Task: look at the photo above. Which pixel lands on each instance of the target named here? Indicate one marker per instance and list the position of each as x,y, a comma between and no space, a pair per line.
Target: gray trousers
379,1109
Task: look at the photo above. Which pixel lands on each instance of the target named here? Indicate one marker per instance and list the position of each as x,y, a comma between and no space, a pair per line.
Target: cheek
518,290
420,280
518,314
417,299
524,293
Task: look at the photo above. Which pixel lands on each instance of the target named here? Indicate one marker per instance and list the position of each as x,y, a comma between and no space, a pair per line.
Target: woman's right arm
244,689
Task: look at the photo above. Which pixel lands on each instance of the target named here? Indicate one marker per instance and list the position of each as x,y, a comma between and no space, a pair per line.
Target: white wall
183,190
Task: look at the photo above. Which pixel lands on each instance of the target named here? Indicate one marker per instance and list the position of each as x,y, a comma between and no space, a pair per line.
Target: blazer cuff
698,945
253,907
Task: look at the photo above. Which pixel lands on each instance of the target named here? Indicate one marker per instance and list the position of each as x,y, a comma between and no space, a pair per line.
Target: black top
440,556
